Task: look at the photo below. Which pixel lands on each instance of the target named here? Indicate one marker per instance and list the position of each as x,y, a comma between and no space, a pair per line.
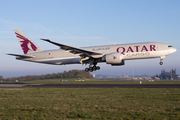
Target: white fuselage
127,51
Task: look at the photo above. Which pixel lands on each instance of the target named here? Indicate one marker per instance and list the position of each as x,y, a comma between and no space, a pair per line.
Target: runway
90,85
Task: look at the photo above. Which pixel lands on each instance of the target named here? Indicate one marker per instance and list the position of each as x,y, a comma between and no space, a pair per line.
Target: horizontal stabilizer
22,56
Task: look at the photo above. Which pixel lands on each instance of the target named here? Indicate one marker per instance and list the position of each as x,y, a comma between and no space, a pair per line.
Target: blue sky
82,23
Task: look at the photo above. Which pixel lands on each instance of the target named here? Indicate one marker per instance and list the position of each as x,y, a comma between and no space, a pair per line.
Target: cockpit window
170,46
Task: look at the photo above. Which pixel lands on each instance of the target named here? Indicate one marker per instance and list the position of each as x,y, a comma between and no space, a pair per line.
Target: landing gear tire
98,68
91,69
87,69
161,63
94,68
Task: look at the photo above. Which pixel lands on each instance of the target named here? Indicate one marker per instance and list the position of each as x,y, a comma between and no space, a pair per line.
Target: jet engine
115,59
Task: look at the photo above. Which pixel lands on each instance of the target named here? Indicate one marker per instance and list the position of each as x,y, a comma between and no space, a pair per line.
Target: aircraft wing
74,50
22,56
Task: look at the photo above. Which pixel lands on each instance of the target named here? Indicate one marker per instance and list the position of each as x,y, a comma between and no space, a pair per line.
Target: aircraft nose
174,49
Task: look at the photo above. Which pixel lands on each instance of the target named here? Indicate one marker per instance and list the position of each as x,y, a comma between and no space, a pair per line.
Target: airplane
116,55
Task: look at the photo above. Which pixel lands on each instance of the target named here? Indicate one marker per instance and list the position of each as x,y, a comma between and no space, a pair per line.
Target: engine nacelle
114,59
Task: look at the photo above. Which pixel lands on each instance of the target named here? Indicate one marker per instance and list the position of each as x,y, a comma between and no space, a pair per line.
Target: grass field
89,103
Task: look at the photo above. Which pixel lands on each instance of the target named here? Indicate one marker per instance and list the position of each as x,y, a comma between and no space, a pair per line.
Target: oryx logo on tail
27,45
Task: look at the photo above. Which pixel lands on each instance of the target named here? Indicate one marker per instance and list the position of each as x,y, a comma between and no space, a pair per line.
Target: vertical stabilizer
27,45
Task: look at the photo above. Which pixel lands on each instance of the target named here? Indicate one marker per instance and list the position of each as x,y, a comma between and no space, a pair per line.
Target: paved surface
92,85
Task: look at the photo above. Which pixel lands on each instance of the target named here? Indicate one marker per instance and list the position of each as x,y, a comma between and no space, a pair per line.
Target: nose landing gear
161,59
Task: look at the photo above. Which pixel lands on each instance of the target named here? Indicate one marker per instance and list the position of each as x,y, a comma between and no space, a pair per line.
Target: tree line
65,74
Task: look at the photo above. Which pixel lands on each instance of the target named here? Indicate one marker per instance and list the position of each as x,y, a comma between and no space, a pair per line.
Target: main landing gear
91,69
